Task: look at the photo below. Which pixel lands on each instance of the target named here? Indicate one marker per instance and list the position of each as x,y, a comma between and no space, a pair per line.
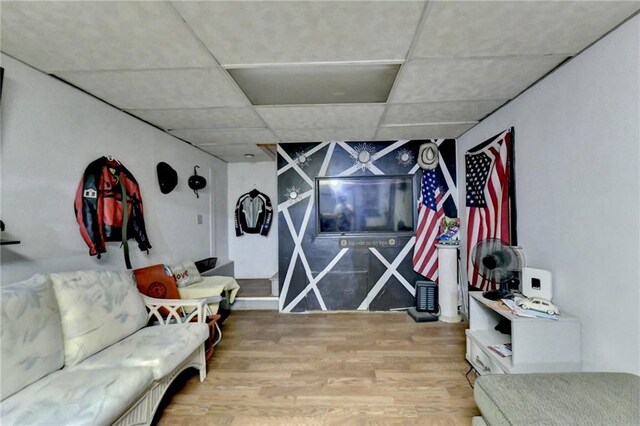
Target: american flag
430,214
487,185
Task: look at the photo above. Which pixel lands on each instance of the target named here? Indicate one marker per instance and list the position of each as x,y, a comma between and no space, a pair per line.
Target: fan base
497,294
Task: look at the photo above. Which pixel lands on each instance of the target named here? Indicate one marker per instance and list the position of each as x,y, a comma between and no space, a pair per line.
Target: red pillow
157,281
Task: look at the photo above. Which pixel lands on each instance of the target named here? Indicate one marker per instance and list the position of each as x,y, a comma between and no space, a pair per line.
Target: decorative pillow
31,334
98,308
186,273
157,281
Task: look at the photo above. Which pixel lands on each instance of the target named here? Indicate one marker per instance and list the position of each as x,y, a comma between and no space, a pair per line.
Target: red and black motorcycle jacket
99,209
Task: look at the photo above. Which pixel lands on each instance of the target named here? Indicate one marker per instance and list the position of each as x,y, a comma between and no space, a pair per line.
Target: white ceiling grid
168,62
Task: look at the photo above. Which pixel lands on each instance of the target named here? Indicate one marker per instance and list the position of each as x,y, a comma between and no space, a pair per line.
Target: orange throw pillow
157,281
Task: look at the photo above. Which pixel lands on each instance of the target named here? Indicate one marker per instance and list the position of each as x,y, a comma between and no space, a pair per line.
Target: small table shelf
538,344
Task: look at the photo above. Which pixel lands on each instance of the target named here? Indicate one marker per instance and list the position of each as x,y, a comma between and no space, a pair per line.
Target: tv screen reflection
371,204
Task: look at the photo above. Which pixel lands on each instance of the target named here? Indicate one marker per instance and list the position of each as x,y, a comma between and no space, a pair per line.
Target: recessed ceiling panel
438,112
500,28
87,35
183,88
316,84
325,134
237,153
434,131
435,80
200,118
230,136
303,31
313,117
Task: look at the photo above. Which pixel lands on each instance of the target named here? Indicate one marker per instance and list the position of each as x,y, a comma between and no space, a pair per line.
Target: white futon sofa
76,349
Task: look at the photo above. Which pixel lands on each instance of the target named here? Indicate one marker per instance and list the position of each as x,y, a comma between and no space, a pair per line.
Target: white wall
254,256
50,133
577,146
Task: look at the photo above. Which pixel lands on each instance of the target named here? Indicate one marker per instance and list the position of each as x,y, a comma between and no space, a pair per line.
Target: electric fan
498,263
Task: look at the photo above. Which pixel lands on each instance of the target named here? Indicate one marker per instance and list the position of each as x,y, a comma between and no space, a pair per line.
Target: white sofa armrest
175,313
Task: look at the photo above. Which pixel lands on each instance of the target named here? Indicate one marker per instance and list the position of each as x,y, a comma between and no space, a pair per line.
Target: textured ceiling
168,62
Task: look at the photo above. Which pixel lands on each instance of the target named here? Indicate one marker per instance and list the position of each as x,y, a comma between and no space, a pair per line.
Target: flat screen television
366,205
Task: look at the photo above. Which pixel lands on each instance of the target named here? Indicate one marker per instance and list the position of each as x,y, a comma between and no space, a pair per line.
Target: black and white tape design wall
316,273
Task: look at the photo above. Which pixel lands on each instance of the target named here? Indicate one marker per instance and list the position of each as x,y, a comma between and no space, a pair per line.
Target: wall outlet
198,219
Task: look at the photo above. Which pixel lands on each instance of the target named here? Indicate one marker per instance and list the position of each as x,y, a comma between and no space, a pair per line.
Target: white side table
539,345
448,282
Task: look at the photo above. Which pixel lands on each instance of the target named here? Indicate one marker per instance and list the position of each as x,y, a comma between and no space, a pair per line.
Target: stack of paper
504,350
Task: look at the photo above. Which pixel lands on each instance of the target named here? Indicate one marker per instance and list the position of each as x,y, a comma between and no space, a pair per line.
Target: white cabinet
537,344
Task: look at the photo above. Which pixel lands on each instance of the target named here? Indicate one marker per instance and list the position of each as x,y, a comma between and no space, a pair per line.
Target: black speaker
426,296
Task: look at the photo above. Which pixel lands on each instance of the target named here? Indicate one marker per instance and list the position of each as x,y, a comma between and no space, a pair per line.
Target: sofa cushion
82,397
209,287
31,334
212,286
162,348
559,399
98,308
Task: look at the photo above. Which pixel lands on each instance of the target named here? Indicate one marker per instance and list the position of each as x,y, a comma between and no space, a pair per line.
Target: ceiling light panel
236,153
183,88
436,80
200,118
84,35
230,136
325,134
303,31
487,28
438,112
314,117
316,84
434,131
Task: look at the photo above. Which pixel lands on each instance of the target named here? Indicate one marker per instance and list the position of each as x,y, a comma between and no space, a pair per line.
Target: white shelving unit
538,345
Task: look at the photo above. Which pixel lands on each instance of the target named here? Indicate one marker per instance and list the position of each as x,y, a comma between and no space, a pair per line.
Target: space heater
426,296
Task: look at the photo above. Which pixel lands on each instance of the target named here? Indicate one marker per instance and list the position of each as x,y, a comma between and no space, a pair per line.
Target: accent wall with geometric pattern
317,273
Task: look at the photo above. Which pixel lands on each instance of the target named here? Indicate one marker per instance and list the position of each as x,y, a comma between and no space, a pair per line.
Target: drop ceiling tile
236,153
200,118
434,131
229,136
435,80
291,32
179,88
439,112
314,117
486,28
316,84
325,134
85,35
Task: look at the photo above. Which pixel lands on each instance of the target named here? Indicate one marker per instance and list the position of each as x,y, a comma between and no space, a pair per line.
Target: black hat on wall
167,177
197,182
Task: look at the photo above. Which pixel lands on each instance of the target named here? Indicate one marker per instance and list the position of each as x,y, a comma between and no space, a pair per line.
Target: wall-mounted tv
365,205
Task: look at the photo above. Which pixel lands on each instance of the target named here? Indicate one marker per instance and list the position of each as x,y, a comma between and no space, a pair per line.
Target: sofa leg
203,364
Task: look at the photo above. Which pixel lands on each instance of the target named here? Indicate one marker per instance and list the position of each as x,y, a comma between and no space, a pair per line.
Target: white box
537,283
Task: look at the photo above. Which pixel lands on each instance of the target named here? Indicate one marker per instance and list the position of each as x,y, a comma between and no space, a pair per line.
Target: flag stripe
430,214
488,199
427,254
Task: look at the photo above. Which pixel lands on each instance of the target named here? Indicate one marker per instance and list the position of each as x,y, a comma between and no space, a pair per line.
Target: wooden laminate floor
329,369
254,287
